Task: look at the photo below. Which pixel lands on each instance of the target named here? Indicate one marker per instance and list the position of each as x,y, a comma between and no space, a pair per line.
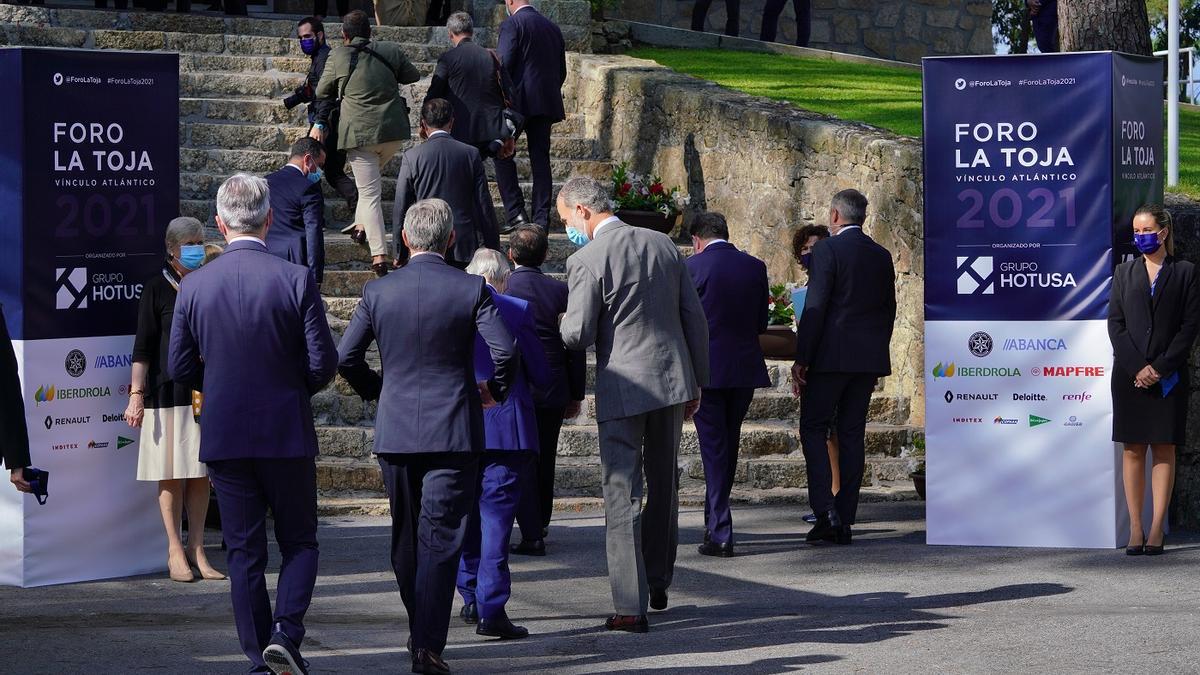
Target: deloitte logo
1035,421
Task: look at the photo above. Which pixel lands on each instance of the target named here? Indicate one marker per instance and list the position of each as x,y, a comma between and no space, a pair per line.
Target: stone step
758,439
581,477
201,63
347,284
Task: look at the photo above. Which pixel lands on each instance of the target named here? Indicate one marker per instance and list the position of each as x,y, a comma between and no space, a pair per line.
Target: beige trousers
366,163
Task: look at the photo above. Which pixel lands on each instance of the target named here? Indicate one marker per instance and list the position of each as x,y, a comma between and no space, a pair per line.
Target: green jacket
372,110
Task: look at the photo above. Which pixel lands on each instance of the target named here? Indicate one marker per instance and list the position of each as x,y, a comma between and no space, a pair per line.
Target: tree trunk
1101,25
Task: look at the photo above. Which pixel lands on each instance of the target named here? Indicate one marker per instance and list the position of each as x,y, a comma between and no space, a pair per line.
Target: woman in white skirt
170,436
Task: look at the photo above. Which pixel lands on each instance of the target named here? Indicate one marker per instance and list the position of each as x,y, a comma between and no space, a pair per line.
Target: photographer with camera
471,79
311,33
14,435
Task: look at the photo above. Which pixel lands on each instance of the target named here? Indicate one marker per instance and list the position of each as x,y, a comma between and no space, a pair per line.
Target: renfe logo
1078,398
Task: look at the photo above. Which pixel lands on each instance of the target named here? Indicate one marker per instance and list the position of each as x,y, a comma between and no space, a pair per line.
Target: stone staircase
234,73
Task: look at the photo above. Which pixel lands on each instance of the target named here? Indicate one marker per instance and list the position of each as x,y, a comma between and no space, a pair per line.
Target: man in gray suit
632,297
444,168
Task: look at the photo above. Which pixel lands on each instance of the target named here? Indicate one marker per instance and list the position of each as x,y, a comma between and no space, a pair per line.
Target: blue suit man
297,231
250,332
512,443
533,54
429,430
734,291
547,298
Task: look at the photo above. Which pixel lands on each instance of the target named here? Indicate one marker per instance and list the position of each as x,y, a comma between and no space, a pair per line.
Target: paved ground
888,604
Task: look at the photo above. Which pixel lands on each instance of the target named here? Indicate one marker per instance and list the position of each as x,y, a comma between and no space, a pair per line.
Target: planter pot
651,220
779,342
918,479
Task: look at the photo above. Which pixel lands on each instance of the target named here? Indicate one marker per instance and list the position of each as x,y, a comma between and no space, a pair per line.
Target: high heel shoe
1136,550
1155,550
209,574
183,577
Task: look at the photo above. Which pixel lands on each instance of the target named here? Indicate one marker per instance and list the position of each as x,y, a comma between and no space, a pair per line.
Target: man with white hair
250,332
511,442
429,428
632,297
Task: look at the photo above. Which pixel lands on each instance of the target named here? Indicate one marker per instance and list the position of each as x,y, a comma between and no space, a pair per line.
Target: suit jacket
14,435
372,110
850,308
425,316
466,77
450,170
631,297
250,332
547,297
734,291
1158,331
307,92
297,232
532,50
512,424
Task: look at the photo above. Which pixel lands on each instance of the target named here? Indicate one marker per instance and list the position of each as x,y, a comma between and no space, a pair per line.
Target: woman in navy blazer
1153,318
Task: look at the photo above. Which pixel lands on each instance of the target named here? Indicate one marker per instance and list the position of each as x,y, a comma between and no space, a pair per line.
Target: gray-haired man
632,297
429,428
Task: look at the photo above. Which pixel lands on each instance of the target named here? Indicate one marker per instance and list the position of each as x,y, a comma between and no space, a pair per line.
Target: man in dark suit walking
429,429
547,297
842,349
734,291
14,435
446,169
533,53
297,232
250,332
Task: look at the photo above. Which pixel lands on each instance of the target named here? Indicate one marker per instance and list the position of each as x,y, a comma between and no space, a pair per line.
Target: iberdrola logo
44,394
943,371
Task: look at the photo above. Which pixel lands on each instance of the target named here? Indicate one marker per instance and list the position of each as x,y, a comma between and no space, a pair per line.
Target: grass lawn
884,97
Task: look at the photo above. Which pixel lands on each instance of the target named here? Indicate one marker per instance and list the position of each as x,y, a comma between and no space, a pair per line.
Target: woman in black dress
1153,318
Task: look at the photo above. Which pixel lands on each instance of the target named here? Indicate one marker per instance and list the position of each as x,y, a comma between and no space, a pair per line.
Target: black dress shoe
425,661
513,224
827,529
712,548
470,613
502,628
537,547
629,624
658,598
283,657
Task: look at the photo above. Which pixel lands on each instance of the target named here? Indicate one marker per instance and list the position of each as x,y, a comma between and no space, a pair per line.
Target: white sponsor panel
1019,440
98,522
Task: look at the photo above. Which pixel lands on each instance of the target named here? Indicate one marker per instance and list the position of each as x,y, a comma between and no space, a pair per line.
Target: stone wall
901,30
770,168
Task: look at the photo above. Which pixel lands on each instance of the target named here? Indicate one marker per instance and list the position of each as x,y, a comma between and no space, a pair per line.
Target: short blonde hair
490,265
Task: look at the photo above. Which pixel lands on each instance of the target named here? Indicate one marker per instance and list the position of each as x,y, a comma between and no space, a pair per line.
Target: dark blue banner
1018,186
90,183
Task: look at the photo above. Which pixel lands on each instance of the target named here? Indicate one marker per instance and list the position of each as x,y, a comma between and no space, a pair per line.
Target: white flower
771,306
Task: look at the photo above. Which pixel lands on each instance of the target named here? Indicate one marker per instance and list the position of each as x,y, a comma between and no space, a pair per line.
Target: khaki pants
366,163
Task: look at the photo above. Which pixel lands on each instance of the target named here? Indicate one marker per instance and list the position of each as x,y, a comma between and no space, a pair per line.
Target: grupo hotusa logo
1037,421
982,275
951,397
44,394
1072,421
1006,421
980,344
76,289
951,370
76,363
1067,371
1034,344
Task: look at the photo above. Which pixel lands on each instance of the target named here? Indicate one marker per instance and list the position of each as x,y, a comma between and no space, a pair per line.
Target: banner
1033,168
91,180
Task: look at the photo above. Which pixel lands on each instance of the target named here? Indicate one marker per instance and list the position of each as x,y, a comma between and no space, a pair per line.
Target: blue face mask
1147,243
577,237
191,256
806,260
308,45
315,177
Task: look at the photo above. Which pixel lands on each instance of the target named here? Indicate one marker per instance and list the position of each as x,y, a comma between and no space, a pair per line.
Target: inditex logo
975,275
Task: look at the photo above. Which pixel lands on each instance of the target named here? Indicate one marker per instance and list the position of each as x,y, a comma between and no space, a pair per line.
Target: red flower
625,188
656,189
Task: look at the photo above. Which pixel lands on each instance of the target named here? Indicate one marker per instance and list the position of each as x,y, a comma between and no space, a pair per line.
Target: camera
39,481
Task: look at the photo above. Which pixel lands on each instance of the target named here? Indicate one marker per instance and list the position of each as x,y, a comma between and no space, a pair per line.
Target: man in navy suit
14,435
512,443
842,349
533,54
250,332
429,429
734,291
297,232
547,297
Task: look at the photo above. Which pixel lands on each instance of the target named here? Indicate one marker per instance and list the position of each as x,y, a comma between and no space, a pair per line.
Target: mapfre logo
1068,371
